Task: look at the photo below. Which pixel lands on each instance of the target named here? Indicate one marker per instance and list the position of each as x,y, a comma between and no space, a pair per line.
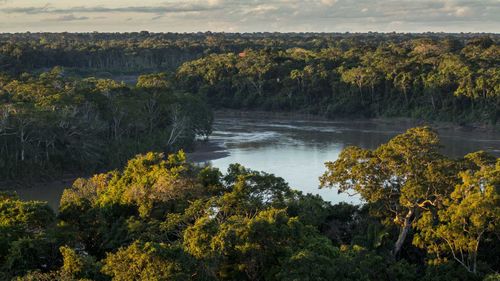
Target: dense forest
149,214
421,78
425,217
445,77
143,51
52,124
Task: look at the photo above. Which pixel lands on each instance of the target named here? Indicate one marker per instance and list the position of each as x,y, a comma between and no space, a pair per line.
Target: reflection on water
297,150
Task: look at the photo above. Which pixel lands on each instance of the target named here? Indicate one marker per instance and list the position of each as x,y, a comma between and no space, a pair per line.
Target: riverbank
207,150
403,121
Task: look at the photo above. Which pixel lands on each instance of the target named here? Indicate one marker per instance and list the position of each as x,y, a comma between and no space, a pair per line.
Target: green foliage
412,78
51,123
149,261
471,212
449,206
79,266
155,82
24,236
111,209
250,191
448,272
492,277
75,266
401,179
162,218
254,248
431,76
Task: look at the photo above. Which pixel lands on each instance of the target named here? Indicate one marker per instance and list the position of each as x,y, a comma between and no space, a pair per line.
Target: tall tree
401,179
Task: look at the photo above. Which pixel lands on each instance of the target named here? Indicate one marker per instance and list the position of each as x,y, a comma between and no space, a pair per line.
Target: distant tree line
50,123
425,217
144,51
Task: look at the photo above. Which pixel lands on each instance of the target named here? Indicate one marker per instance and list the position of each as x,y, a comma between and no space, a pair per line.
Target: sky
250,15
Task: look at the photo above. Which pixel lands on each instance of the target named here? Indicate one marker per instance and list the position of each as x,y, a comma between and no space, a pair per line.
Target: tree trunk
474,260
403,233
406,97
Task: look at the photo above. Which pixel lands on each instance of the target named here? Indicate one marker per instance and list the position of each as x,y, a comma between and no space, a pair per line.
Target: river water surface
297,148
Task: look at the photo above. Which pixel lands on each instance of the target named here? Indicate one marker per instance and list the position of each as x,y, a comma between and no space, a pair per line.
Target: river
296,148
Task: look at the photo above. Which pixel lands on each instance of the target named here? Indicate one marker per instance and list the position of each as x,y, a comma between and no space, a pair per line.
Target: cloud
26,10
258,15
161,9
68,18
